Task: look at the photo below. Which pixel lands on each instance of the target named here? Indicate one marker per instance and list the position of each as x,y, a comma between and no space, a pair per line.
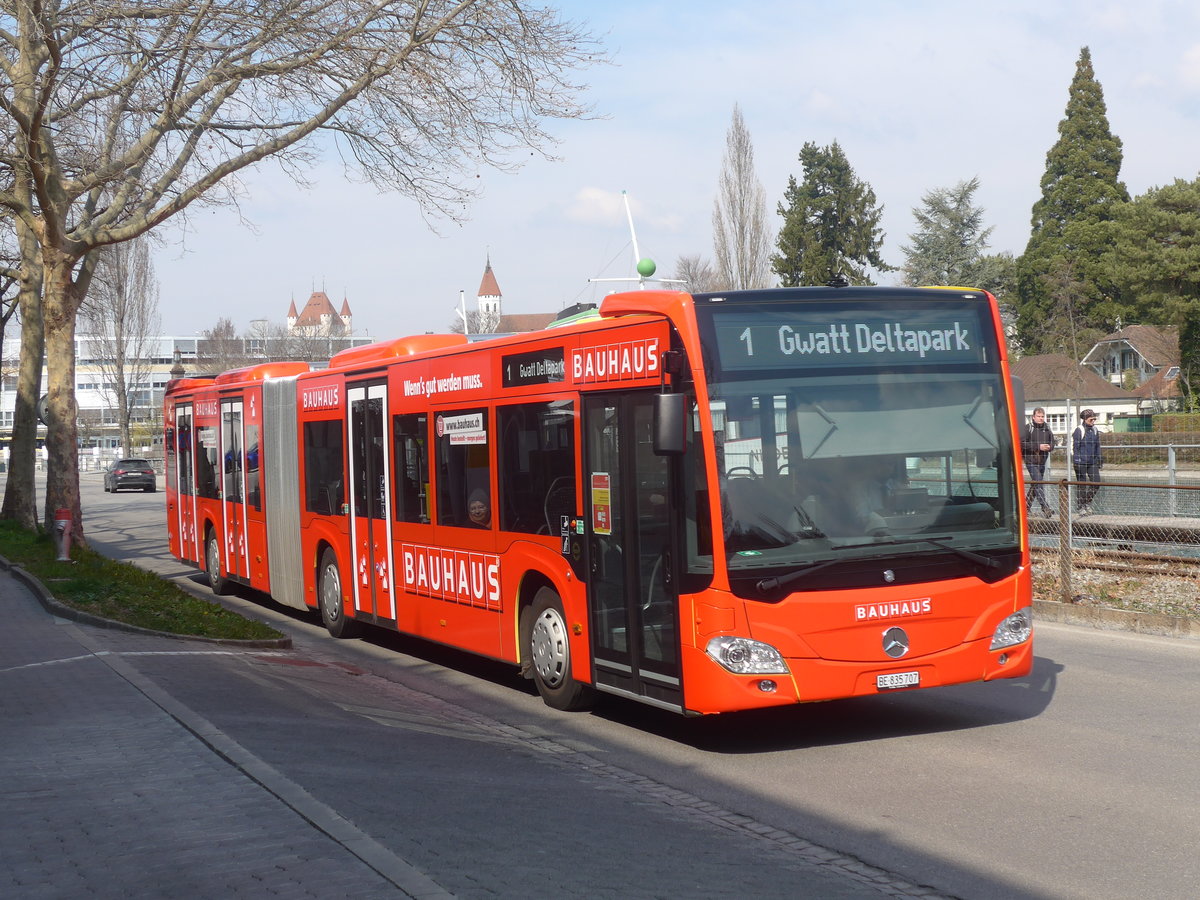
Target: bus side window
409,437
208,480
463,465
537,459
324,468
253,490
183,439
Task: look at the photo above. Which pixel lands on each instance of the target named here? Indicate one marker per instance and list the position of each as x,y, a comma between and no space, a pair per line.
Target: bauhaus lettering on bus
818,497
452,575
615,362
326,396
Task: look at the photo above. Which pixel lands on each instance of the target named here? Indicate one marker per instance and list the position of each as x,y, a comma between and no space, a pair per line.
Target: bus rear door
184,487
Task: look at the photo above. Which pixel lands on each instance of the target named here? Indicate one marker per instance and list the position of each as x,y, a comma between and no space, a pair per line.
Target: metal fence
1126,523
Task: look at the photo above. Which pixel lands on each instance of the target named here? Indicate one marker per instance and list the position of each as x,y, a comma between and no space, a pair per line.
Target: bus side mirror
1018,393
670,424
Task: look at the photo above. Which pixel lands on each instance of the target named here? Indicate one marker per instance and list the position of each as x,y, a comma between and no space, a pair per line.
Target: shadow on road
933,710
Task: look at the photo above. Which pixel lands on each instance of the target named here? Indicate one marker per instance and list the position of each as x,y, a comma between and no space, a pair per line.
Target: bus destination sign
539,367
823,337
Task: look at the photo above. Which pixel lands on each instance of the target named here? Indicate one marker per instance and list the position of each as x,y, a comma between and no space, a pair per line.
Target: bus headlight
1015,629
743,656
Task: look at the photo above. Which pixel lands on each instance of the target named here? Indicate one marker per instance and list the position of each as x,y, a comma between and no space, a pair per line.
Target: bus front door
632,600
370,503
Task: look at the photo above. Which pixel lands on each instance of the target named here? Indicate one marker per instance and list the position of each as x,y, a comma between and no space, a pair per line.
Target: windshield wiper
959,551
767,585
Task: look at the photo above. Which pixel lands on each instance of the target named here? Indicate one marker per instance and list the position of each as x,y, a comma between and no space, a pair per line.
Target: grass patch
115,590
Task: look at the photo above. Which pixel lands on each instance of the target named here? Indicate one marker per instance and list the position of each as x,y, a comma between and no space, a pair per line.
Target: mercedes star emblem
895,642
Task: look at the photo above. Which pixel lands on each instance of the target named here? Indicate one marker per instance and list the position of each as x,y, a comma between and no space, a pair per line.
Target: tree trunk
20,494
123,415
59,308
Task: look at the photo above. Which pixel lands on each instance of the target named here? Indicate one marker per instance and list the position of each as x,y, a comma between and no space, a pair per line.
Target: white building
146,378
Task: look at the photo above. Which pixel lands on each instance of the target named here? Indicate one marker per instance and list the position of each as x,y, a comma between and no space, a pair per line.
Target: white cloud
596,206
1189,68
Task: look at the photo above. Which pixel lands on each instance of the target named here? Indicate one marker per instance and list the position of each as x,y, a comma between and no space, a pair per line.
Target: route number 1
745,336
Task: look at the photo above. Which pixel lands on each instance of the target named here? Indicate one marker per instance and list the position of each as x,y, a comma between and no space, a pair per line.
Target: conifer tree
948,245
1072,220
1189,357
830,223
1156,255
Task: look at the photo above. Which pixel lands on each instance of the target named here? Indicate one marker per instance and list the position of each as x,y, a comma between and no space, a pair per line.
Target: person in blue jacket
1087,458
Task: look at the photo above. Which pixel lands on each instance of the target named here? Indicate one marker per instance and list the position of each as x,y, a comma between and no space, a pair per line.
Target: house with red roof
1133,371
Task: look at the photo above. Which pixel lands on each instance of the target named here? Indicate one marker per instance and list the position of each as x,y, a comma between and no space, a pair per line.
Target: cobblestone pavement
135,765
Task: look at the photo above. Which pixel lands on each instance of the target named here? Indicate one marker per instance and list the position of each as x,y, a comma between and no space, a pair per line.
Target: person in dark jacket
1036,445
1087,458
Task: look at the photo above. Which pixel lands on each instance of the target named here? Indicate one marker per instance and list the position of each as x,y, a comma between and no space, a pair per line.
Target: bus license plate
893,680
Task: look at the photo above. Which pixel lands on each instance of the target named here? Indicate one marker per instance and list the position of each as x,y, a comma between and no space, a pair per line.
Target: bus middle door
233,492
370,502
632,602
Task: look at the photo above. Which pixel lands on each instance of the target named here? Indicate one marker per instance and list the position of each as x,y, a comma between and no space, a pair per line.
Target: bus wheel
212,561
333,611
550,651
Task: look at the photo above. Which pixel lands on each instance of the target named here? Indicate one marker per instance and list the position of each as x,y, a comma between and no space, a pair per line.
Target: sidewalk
106,794
113,786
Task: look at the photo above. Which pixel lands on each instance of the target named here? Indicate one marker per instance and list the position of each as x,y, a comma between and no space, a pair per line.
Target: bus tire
212,564
549,650
329,589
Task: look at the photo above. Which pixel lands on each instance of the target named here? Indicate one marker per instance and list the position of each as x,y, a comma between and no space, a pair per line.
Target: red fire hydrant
62,527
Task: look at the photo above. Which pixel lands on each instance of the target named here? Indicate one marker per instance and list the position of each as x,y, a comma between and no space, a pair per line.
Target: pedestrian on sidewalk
1036,445
1088,459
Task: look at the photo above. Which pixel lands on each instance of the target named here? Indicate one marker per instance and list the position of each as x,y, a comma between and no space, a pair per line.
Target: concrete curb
1108,619
57,608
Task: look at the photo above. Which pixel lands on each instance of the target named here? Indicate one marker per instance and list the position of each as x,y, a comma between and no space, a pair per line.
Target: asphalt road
1081,781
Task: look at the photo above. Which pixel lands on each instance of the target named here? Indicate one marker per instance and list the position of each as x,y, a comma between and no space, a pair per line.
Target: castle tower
318,318
345,315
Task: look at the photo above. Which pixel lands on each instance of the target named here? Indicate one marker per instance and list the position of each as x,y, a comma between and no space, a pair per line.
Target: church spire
489,298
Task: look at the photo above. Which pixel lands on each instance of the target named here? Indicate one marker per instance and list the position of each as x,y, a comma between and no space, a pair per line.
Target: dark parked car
130,473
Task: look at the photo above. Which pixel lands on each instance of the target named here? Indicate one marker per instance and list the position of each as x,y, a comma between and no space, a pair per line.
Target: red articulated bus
708,502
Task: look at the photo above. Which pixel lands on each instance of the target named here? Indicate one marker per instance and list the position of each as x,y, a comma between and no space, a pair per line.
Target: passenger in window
479,511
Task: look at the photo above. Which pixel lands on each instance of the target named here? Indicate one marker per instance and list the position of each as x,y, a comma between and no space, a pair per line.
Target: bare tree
741,237
20,498
479,321
121,115
120,319
697,274
270,342
10,298
220,349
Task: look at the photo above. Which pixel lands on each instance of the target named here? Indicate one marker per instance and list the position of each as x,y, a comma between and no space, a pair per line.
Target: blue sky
920,95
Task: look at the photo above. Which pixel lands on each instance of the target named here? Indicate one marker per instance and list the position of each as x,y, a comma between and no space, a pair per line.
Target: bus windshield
858,450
